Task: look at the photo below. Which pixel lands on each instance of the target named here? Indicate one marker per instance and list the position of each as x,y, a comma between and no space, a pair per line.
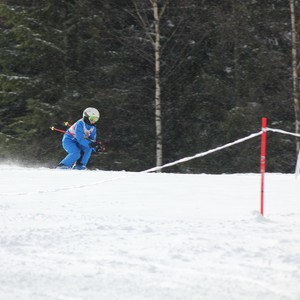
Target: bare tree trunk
155,39
159,152
295,71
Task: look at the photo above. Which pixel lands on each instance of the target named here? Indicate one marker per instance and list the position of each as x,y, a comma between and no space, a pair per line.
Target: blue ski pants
75,151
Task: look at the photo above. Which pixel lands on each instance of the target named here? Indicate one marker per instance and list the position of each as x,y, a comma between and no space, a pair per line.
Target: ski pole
60,130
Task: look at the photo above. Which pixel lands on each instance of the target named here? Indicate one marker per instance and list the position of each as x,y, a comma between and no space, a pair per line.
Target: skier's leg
79,159
86,156
73,153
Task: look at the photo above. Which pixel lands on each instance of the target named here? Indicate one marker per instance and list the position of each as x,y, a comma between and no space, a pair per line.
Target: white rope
203,153
297,170
282,131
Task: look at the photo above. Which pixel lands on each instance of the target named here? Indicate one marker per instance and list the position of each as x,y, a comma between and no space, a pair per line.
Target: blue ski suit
76,142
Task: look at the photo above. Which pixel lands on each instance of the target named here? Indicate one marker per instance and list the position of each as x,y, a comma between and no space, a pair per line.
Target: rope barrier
203,153
282,131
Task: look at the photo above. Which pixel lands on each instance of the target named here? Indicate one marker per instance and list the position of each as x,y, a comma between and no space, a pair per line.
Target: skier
80,140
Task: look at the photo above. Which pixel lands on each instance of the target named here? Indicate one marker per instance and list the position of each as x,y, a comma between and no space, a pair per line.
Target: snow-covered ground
94,235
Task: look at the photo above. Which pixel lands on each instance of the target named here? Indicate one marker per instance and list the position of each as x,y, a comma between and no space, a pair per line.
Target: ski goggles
93,119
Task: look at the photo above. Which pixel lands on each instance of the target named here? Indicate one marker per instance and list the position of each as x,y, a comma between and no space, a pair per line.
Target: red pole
60,130
263,163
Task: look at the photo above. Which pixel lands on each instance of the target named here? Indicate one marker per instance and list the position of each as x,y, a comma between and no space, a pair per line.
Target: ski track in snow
117,235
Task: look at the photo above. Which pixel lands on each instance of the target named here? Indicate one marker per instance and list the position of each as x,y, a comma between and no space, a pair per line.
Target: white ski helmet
92,114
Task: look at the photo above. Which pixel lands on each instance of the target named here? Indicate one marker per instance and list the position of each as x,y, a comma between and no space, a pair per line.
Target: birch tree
155,38
295,69
156,44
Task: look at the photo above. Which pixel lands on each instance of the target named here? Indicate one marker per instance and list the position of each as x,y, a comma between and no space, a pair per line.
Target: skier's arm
94,135
79,133
94,144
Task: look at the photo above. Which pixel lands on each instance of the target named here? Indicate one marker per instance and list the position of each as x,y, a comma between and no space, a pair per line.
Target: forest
223,66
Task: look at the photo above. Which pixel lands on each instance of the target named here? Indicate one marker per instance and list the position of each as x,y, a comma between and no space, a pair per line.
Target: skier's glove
94,144
98,147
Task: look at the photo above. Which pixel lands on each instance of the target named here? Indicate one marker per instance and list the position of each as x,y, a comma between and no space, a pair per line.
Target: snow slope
94,235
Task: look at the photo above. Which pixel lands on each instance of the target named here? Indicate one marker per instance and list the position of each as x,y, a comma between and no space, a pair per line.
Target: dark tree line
224,65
